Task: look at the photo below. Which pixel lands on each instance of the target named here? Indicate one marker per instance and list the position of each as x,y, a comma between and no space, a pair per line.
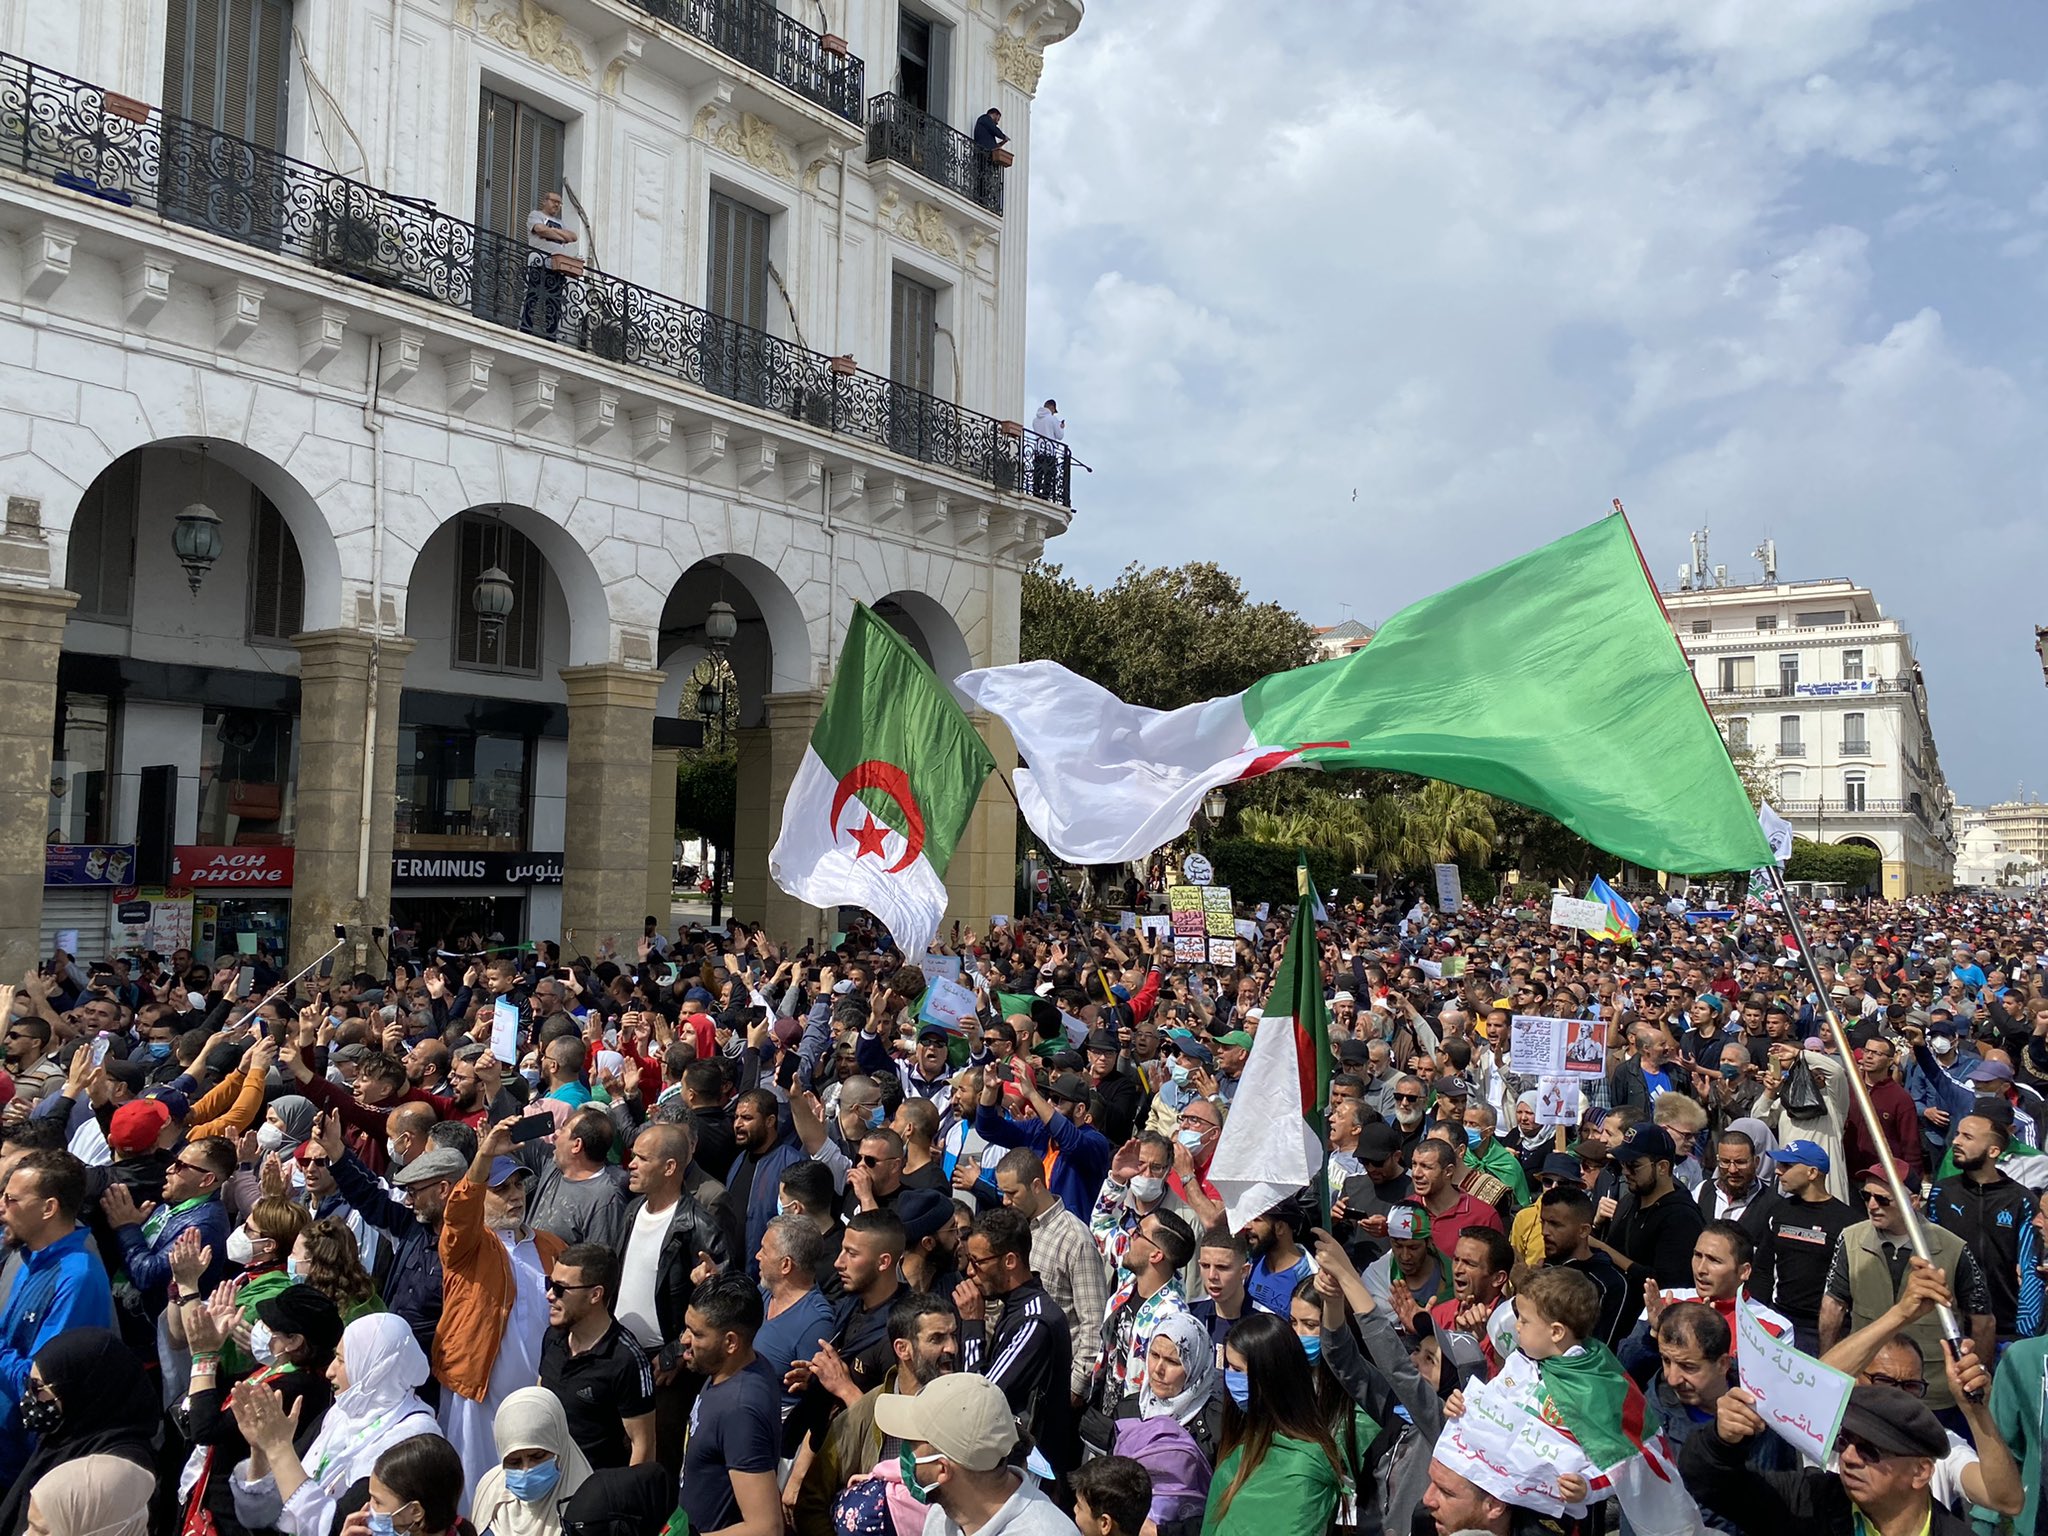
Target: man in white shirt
545,237
1050,428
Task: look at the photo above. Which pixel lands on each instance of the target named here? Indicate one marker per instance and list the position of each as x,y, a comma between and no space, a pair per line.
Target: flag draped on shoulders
1272,1144
884,790
1554,681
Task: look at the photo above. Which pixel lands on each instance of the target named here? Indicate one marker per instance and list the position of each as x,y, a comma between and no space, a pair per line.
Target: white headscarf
1757,1132
1190,1339
384,1363
531,1419
95,1496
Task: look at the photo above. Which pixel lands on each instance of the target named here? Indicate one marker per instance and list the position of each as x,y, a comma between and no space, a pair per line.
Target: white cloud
1488,264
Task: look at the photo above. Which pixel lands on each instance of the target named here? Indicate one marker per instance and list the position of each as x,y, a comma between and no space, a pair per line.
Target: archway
930,629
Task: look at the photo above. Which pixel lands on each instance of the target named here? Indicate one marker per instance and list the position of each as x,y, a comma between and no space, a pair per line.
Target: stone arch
930,628
1857,840
569,568
772,652
230,461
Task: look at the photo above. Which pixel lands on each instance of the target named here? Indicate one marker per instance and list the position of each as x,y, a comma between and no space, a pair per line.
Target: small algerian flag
884,790
1272,1144
1591,1398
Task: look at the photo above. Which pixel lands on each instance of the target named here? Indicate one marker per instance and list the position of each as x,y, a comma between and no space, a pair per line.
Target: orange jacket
476,1292
229,1108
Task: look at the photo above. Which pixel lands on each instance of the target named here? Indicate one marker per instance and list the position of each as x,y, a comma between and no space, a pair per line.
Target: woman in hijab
87,1396
1172,1431
1759,1133
92,1496
373,1374
539,1467
287,1125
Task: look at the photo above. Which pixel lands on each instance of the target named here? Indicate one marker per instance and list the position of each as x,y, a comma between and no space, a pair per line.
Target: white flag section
1110,781
833,850
1267,1151
1777,831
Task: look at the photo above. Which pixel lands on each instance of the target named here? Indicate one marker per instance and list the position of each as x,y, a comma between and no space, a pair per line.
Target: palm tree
1442,824
1340,827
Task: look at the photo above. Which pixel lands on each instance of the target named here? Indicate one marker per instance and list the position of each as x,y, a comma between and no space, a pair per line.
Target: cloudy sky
1359,298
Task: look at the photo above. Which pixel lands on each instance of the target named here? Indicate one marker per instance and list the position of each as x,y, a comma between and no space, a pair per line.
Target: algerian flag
1591,1398
1553,681
884,789
1272,1144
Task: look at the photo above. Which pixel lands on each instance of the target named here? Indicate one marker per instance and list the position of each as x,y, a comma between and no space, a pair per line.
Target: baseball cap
1874,1174
1643,1141
302,1310
1354,1052
932,1032
136,1125
505,1169
434,1163
1889,1420
1453,1087
1102,1040
1990,1072
1807,1154
1560,1165
174,1102
964,1417
1377,1142
1407,1222
1236,1037
1071,1087
133,1075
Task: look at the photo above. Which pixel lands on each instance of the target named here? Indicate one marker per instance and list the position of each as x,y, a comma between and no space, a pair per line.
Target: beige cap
963,1417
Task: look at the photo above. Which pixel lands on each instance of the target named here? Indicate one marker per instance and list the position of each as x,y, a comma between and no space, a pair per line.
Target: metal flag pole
1951,1325
285,986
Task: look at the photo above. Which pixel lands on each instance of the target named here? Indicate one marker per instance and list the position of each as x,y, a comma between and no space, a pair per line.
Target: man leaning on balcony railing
546,276
989,138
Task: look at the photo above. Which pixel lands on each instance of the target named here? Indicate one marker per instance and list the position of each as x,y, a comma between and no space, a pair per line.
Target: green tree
1445,824
1847,864
1160,637
707,796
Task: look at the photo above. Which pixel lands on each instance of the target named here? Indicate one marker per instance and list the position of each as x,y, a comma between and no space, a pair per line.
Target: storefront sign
87,864
265,868
476,869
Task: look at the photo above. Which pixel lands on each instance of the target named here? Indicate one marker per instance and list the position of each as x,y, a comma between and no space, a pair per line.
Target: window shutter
737,287
494,176
913,313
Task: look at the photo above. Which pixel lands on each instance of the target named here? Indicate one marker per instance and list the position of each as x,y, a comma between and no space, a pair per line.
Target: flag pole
1320,1122
1951,1325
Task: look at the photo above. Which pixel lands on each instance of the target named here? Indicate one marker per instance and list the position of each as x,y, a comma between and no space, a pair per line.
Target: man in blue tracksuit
61,1283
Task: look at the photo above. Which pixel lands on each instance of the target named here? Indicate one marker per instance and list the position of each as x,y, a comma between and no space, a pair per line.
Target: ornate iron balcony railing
759,36
911,136
129,154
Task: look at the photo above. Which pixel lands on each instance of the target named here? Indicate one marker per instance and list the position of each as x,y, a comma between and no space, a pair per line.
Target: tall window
1852,666
277,578
736,289
518,157
913,332
101,565
1738,734
923,63
516,647
246,771
1855,739
1853,789
1737,672
1788,675
1790,742
227,66
81,760
461,789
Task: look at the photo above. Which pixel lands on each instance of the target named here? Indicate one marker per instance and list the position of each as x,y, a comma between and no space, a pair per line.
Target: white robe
468,1424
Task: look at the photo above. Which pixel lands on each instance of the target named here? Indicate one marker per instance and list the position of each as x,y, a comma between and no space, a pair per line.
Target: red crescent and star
869,835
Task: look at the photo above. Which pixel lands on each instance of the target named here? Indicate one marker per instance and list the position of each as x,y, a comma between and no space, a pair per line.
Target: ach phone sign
210,868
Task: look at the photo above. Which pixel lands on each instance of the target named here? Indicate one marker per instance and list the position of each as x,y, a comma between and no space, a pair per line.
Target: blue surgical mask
1312,1346
532,1076
875,1118
295,1269
380,1525
1179,1073
1471,1137
1239,1385
157,1050
1192,1140
532,1484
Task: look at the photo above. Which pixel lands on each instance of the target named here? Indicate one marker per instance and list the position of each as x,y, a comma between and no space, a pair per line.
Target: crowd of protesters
715,1233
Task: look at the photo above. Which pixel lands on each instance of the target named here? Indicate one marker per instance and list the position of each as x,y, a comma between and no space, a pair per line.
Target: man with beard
1411,1112
1652,1237
1567,1223
1798,1240
767,1144
1738,1190
1896,1114
1993,1215
924,1337
476,1093
1434,1171
426,1066
412,1280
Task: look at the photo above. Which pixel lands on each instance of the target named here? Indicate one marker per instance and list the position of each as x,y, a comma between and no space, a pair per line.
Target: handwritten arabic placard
1798,1397
1503,1444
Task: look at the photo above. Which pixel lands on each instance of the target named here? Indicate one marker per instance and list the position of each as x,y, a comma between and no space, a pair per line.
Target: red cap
6,1087
136,1125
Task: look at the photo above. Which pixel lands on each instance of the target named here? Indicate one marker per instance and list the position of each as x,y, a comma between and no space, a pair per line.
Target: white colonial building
1827,697
361,541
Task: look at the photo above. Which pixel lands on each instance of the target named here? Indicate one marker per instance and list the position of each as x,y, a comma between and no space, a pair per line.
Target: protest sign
1502,1443
1190,927
1557,1101
946,1004
505,1031
1539,1047
1197,869
1575,912
1450,893
1430,968
1156,927
1798,1397
1247,930
1127,922
935,966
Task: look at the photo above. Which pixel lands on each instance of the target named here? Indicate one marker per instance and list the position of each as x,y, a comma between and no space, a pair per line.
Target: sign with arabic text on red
260,868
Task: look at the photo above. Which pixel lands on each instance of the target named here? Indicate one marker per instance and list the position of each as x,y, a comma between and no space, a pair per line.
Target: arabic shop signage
476,869
260,868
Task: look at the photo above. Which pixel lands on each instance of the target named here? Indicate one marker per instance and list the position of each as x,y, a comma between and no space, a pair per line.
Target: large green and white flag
884,790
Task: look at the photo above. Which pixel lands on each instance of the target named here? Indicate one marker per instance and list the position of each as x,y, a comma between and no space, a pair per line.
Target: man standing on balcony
545,238
988,138
1050,428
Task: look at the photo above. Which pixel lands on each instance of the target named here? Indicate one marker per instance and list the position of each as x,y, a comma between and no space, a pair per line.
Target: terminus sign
476,869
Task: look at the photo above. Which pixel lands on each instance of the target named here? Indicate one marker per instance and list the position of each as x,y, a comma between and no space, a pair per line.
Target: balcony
1779,691
942,155
756,34
1846,808
130,155
1791,749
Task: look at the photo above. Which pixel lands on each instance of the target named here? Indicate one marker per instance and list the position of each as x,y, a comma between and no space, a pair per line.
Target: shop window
247,771
461,789
514,643
80,760
277,578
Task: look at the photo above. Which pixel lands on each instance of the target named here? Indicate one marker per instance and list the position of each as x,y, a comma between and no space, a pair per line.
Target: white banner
946,1003
1576,912
1450,892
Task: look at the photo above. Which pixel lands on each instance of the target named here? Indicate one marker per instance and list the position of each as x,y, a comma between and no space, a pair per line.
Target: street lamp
1214,805
195,538
491,598
710,702
721,624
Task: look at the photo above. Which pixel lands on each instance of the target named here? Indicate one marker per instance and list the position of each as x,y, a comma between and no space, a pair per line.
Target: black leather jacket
691,1230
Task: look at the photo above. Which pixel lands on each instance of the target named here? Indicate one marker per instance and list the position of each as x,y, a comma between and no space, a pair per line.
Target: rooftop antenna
1767,552
1700,562
1720,575
1685,578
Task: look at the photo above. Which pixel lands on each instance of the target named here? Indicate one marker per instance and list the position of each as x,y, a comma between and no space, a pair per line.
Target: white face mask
269,1137
241,1248
391,1151
1943,1045
1145,1190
